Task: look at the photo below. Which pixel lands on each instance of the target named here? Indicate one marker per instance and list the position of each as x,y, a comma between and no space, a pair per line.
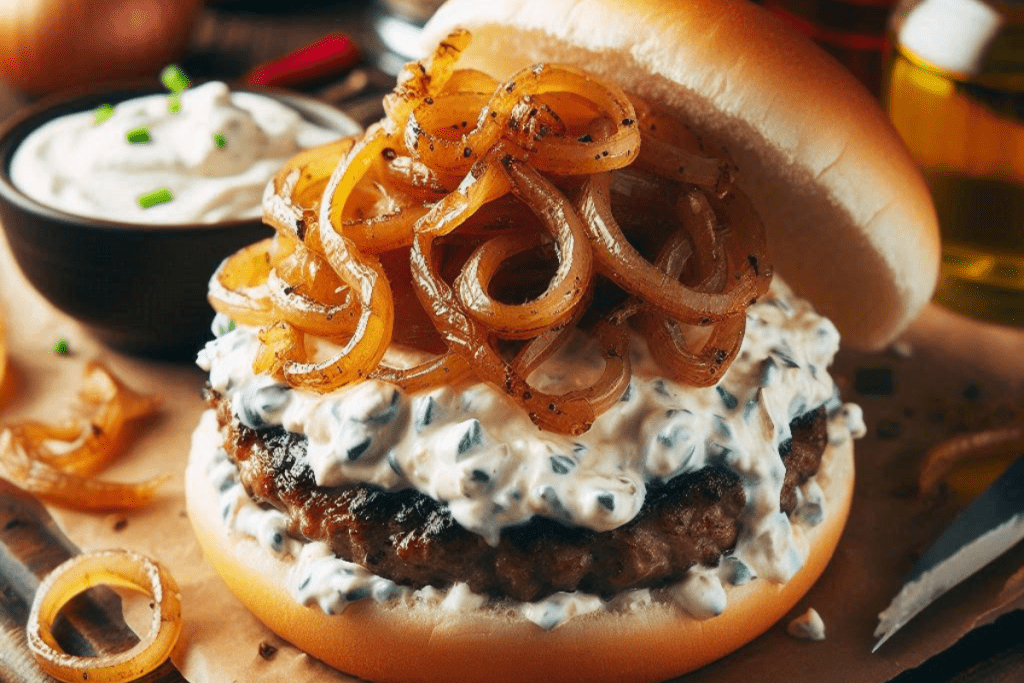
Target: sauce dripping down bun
850,227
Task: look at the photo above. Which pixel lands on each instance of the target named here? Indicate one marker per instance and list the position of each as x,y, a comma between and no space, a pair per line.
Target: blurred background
951,75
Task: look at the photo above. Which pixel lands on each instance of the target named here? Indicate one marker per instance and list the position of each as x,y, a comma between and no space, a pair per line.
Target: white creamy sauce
477,452
91,169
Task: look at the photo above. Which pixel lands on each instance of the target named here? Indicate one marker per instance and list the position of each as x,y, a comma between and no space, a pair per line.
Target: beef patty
413,540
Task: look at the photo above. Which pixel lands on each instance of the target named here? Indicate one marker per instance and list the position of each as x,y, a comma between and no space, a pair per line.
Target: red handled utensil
331,56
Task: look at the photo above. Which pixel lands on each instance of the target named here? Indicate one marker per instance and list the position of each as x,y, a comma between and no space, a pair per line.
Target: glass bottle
955,91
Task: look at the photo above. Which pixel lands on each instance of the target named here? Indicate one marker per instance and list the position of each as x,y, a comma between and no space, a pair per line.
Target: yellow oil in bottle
966,131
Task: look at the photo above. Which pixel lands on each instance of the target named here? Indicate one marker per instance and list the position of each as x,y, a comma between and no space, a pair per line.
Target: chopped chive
562,464
174,103
174,79
137,135
155,197
61,347
102,113
220,140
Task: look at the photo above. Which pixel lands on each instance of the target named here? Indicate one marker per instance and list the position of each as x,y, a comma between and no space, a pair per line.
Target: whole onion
48,45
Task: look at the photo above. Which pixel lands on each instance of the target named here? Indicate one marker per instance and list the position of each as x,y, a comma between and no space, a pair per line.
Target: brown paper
959,375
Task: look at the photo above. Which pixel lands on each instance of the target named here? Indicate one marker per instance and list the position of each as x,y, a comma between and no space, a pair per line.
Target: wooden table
229,40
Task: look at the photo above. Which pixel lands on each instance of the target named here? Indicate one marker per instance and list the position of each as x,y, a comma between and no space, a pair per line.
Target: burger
531,383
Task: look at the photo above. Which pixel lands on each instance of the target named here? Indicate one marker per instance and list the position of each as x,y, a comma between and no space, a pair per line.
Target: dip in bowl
120,217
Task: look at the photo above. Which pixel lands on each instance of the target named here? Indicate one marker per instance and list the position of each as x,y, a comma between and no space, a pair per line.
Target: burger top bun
850,223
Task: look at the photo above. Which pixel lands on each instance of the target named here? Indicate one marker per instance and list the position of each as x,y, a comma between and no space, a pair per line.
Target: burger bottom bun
420,642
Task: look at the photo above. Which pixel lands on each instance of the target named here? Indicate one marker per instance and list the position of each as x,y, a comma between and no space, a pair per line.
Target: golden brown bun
851,226
429,644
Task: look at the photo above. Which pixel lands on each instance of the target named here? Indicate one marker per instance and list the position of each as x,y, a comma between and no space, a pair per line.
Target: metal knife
992,524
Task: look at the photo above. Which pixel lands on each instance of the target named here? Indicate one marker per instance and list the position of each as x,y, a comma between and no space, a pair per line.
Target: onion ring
621,262
569,414
120,568
306,292
365,278
238,287
571,280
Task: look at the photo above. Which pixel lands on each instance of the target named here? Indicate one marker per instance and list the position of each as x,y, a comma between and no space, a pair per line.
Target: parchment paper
950,375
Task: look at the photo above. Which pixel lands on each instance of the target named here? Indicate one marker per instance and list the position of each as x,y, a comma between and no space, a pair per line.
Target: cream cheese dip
475,451
214,155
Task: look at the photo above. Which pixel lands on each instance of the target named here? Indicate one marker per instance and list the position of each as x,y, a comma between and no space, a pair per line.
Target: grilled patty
413,540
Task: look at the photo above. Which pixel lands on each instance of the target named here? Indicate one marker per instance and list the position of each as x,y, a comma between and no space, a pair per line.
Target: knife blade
992,524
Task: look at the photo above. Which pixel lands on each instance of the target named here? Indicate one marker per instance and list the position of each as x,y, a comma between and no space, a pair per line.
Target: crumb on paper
808,626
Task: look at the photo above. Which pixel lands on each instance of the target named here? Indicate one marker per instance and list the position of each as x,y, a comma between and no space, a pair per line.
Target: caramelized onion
442,370
307,293
622,263
467,187
365,278
469,339
944,457
118,568
694,355
571,280
419,80
84,447
670,149
237,288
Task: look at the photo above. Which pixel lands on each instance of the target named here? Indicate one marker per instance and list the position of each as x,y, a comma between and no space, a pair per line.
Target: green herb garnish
137,135
155,197
102,113
224,329
174,79
220,140
61,347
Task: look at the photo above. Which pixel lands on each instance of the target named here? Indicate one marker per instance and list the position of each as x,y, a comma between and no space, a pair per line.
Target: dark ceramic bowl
138,288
